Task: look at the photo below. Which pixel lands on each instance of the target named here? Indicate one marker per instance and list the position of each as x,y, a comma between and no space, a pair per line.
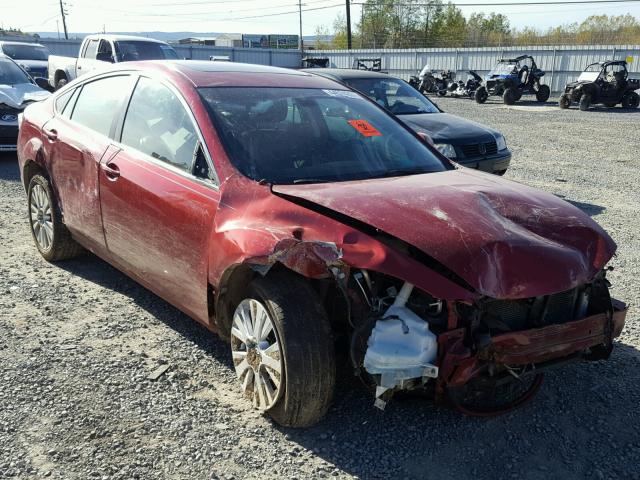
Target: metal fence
562,63
276,57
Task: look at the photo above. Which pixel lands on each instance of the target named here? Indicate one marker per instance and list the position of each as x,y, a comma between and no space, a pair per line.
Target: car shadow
578,407
9,167
96,270
590,209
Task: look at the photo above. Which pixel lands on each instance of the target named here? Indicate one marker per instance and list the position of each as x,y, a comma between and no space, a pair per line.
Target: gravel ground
79,343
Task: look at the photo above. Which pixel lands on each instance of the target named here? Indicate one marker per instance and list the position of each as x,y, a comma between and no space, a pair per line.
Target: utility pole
348,25
300,42
64,21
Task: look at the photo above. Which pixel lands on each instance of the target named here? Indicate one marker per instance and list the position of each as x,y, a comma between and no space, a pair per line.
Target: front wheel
542,95
564,102
585,102
282,350
630,100
510,96
481,95
51,236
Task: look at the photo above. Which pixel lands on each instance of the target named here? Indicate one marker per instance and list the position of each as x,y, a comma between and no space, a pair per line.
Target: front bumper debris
458,363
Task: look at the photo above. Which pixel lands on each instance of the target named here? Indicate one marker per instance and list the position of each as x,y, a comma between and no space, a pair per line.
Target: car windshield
301,135
503,69
131,51
11,74
25,52
395,95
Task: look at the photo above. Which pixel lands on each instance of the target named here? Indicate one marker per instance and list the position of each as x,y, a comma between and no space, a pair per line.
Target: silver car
17,90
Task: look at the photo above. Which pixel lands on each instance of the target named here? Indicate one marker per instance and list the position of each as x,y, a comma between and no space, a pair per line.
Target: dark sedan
467,143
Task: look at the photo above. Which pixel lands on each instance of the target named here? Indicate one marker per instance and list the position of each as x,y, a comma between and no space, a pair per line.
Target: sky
247,16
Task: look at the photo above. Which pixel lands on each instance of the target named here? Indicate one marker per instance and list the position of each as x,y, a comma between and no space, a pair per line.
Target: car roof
204,73
123,38
345,73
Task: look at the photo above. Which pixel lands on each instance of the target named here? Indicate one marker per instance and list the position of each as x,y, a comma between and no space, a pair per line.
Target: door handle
111,170
51,133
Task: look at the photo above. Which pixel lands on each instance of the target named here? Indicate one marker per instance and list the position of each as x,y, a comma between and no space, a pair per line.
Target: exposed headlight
446,149
501,142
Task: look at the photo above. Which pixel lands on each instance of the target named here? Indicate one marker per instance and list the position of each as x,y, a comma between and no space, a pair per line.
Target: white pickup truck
95,50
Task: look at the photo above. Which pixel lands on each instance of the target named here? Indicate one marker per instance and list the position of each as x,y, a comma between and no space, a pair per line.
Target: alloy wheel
41,217
257,355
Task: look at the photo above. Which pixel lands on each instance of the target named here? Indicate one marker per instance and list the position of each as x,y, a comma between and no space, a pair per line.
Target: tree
322,34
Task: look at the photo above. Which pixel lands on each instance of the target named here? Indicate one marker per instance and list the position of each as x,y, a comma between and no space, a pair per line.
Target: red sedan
296,217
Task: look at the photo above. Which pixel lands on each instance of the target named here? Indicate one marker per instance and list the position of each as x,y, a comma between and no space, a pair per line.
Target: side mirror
425,138
43,83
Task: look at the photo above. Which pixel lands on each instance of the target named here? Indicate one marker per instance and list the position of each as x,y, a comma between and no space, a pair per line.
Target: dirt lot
79,340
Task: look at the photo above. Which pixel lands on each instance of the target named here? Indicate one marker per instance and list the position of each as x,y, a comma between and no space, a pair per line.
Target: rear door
77,138
157,213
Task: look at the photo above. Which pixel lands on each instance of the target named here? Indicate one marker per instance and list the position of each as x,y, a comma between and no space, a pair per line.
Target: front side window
131,51
395,95
298,135
25,52
158,125
99,103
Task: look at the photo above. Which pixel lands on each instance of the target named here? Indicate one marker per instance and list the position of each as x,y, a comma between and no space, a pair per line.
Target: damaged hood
447,128
17,95
506,240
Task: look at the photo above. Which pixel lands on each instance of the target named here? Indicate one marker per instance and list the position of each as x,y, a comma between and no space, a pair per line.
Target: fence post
455,67
553,68
270,57
614,53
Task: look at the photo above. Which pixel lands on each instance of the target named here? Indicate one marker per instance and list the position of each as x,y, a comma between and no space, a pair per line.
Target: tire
481,95
301,393
630,100
542,95
564,102
52,238
61,83
500,172
510,96
585,102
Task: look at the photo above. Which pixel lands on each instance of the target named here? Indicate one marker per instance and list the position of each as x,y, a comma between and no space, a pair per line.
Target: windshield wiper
400,172
299,181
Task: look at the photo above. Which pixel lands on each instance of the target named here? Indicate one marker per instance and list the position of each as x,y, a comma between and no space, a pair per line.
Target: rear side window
158,125
68,108
62,100
92,49
99,103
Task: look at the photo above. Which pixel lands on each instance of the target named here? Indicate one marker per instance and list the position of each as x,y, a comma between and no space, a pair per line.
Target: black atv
513,77
605,83
466,89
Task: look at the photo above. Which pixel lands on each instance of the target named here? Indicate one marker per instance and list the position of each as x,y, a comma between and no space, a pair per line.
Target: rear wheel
630,100
542,95
282,350
51,236
481,95
564,102
585,102
61,83
510,96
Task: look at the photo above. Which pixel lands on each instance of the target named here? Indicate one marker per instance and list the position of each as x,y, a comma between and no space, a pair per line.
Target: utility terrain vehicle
511,78
605,83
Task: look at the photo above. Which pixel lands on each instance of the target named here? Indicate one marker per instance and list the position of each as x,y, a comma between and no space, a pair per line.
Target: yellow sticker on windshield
365,128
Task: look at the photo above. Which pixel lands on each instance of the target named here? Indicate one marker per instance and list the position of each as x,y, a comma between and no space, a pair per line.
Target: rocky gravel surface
101,379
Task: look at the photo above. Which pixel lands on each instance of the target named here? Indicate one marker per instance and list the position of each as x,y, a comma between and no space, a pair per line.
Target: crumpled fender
255,227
